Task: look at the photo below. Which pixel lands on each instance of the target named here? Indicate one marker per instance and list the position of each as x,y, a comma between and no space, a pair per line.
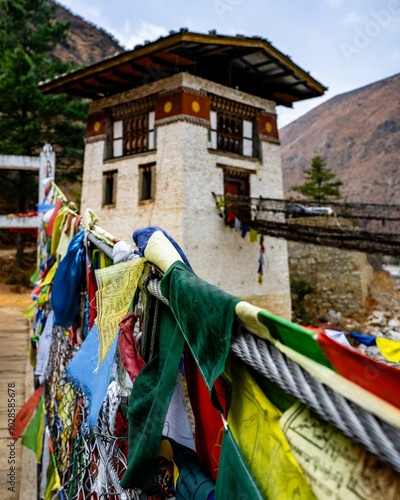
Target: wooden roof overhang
252,65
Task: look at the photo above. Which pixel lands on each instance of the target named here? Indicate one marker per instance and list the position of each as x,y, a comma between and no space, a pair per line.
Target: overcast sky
344,44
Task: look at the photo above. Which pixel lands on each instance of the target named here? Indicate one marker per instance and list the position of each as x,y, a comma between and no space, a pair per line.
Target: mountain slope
358,134
85,43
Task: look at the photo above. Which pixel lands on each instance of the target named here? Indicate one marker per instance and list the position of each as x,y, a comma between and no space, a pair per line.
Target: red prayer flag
25,414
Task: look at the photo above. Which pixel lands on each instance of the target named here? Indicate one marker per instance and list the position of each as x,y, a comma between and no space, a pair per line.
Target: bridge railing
372,228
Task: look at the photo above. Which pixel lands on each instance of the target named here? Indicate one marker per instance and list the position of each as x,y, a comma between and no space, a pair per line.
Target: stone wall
340,279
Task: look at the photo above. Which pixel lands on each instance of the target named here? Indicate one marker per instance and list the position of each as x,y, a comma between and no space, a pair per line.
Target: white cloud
353,18
130,37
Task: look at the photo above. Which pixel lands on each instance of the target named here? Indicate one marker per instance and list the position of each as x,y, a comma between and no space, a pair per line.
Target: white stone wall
186,175
218,253
128,213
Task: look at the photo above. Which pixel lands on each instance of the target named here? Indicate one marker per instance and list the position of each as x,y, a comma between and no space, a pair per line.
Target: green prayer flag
298,338
150,397
30,436
235,479
203,315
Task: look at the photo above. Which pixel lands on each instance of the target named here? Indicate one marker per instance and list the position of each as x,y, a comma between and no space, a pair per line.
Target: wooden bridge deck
16,385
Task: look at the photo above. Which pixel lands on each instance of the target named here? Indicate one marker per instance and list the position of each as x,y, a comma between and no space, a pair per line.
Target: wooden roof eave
173,42
257,43
110,63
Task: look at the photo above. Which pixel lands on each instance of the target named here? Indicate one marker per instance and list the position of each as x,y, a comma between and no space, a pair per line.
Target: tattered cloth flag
25,414
389,348
270,459
81,372
116,287
235,479
141,238
33,436
65,296
44,347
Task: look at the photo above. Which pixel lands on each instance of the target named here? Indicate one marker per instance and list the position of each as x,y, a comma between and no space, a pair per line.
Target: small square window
110,187
147,181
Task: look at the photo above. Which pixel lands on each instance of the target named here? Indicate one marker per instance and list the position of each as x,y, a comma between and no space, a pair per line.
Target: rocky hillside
85,44
358,134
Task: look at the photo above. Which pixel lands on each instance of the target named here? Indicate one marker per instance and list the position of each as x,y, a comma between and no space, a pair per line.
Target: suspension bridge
366,227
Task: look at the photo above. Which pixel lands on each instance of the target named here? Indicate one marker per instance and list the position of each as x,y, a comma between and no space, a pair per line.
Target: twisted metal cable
153,286
358,424
111,457
377,436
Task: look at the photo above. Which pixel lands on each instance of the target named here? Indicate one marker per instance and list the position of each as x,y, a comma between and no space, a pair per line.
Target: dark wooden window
231,133
237,183
146,181
110,187
134,135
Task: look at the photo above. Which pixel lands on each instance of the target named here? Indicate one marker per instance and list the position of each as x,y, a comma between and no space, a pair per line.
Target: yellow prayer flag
335,466
49,276
254,422
167,452
390,349
39,449
29,311
44,296
66,415
57,227
53,481
116,287
253,235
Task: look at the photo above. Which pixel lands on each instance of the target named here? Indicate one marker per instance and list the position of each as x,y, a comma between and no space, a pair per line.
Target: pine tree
28,119
317,184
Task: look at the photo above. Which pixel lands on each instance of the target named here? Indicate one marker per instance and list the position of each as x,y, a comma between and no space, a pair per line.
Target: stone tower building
176,120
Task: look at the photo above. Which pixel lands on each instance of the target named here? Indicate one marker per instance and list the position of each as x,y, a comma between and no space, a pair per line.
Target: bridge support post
46,169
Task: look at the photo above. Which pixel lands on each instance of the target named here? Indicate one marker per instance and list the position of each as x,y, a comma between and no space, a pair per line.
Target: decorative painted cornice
183,118
130,108
236,108
239,171
183,88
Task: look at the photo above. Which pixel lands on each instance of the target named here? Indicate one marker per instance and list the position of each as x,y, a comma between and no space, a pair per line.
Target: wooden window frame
242,179
133,135
231,133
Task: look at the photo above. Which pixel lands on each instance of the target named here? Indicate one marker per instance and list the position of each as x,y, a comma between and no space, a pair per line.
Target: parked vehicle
295,209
